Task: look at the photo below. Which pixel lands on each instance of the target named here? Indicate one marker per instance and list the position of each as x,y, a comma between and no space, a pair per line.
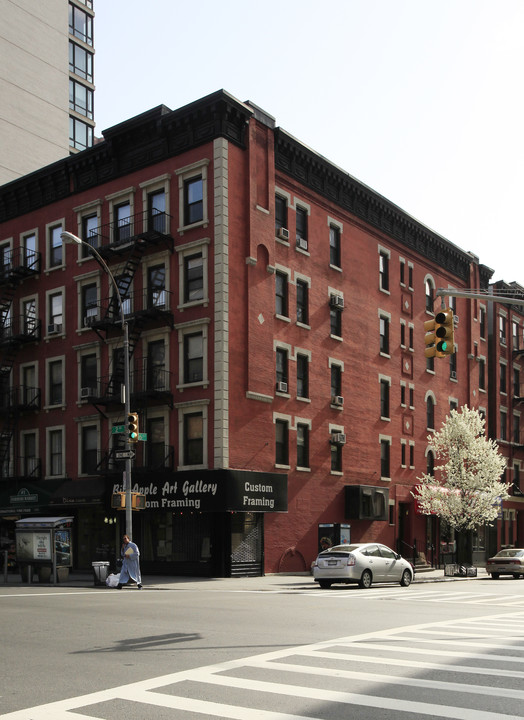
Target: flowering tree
467,490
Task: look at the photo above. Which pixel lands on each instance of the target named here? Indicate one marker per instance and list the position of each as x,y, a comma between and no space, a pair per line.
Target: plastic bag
112,580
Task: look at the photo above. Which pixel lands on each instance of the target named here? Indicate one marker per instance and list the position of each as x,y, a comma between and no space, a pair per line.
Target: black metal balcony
19,329
22,468
151,385
120,236
19,263
19,399
139,307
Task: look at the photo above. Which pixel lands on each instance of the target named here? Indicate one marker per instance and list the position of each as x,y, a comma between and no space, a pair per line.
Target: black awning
85,491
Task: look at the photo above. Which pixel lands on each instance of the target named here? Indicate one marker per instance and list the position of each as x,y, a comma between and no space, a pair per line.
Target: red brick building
276,310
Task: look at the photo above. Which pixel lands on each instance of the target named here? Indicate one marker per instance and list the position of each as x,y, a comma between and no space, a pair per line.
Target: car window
371,550
387,553
510,553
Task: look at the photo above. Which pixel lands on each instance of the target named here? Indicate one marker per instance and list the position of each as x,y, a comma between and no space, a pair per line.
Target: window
89,372
156,211
89,303
80,61
516,428
403,453
124,286
55,316
193,439
402,271
503,425
334,246
281,442
384,399
55,452
30,462
403,394
80,99
384,270
89,454
156,286
302,376
411,455
336,380
157,454
336,457
482,374
453,366
402,334
281,294
30,392
156,378
281,368
430,413
193,358
193,200
482,322
430,463
280,213
122,227
302,445
503,378
193,277
516,382
384,335
192,194
502,329
55,246
411,397
515,335
516,477
89,233
385,447
430,364
335,322
29,319
30,256
302,302
80,24
301,214
430,299
55,380
80,134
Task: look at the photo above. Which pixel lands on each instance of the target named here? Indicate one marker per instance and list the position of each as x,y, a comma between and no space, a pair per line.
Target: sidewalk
268,583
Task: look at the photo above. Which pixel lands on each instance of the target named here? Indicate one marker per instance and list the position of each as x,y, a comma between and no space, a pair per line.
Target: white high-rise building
46,83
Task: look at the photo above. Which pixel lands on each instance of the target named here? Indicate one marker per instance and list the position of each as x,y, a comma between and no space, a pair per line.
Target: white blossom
466,490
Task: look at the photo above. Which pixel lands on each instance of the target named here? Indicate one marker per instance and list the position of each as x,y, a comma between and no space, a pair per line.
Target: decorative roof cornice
146,139
323,177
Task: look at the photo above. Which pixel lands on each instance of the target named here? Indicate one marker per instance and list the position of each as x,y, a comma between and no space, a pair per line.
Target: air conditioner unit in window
54,328
453,374
283,233
338,439
337,400
336,301
302,243
282,387
87,392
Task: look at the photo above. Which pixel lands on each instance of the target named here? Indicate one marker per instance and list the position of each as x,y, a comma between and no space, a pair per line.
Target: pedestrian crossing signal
138,501
118,500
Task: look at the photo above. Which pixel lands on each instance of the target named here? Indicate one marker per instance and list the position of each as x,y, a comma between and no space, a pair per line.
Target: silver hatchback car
362,563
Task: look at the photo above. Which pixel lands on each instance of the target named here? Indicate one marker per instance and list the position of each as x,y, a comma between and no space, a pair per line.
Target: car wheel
324,584
495,576
366,579
405,580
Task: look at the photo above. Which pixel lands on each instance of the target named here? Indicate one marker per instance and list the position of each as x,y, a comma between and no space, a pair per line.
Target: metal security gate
247,543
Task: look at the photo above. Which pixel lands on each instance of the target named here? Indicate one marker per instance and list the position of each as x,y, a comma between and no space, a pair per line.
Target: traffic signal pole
127,406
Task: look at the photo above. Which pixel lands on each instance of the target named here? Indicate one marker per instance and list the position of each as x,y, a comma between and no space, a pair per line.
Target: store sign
23,497
215,491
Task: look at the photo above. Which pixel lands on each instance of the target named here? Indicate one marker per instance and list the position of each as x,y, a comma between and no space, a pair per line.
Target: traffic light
132,427
439,334
118,500
138,501
444,330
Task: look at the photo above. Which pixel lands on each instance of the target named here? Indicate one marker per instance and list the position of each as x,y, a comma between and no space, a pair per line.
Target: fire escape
126,242
16,331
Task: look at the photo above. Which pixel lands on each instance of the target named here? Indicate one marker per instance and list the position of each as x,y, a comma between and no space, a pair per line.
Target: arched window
430,413
430,463
430,294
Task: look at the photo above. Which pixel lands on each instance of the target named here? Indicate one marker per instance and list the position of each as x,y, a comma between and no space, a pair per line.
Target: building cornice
334,184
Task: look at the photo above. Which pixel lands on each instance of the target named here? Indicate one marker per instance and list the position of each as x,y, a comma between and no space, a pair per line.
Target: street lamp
68,237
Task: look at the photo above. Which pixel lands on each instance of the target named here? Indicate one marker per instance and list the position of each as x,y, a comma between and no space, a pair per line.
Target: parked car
506,562
362,563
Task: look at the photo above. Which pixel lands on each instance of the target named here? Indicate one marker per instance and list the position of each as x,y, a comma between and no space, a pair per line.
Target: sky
421,100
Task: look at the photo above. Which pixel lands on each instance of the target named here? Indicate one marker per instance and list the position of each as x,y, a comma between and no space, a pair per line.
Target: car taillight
351,559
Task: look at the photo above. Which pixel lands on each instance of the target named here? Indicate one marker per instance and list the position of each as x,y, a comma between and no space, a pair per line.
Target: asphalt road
279,651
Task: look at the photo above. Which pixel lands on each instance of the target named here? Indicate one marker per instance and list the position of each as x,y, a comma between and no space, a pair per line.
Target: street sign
117,429
142,436
125,455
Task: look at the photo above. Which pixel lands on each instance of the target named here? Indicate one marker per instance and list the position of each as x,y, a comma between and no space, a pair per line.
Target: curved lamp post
68,237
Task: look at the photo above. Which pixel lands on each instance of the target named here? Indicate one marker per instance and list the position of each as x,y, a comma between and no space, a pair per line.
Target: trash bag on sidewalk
113,580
